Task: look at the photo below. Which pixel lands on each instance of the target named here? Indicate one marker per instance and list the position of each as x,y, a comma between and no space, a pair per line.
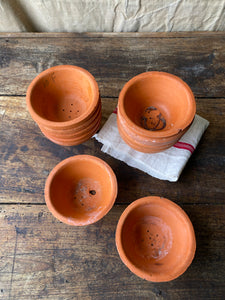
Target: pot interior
81,190
157,103
62,95
155,239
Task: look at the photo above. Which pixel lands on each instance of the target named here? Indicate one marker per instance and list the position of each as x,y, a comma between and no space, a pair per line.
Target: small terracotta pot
64,101
146,145
154,110
72,140
155,239
81,190
79,129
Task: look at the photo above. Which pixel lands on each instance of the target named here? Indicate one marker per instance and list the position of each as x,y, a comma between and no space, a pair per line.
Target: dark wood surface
41,258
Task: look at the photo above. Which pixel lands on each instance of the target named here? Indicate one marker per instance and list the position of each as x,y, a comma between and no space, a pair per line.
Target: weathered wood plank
181,34
113,59
42,258
27,157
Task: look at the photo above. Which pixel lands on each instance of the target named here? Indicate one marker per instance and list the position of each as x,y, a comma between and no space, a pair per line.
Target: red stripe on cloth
115,111
185,146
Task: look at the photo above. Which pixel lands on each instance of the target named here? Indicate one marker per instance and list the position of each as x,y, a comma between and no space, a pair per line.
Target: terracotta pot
81,190
146,145
72,140
154,110
155,239
64,100
79,129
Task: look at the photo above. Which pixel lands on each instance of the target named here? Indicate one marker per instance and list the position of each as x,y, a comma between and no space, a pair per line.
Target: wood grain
113,59
42,258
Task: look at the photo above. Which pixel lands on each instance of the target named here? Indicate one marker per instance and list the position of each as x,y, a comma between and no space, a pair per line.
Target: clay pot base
68,110
81,190
155,239
86,195
152,238
152,119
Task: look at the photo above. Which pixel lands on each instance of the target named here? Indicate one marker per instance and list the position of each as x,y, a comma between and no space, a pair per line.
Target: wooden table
41,258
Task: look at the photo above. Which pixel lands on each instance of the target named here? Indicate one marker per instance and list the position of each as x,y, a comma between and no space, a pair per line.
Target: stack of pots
154,110
65,103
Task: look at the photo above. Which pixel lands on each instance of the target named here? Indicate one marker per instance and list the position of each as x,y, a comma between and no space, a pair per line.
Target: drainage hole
70,110
63,109
92,192
71,104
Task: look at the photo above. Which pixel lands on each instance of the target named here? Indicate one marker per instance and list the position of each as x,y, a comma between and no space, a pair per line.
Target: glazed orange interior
155,239
62,94
81,190
157,102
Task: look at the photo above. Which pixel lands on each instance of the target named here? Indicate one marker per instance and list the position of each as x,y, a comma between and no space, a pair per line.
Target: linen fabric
165,165
111,15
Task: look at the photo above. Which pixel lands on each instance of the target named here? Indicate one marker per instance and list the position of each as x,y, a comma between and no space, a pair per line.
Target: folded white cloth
165,165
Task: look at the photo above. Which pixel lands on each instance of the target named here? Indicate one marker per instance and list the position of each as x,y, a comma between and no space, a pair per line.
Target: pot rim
187,119
45,122
63,164
177,210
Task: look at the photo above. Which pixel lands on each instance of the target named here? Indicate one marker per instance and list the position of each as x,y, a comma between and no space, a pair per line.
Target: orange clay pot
80,190
154,110
91,122
151,146
65,102
155,239
72,140
68,134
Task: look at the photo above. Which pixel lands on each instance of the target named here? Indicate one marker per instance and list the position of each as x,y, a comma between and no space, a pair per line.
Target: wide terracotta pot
155,239
154,110
81,190
64,101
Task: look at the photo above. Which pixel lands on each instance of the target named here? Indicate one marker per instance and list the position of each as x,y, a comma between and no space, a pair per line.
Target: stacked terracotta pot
65,103
154,110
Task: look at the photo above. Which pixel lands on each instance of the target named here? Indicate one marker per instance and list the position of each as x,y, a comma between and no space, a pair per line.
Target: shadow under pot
63,100
80,190
154,110
155,239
